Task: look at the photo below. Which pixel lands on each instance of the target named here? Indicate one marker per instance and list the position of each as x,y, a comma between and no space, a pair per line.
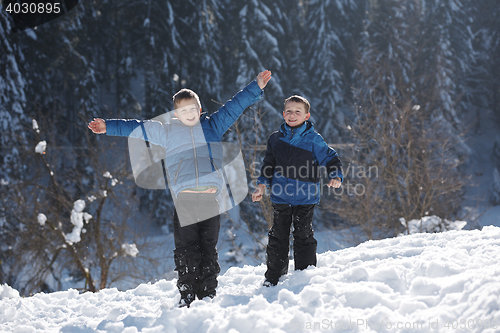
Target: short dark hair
298,99
185,94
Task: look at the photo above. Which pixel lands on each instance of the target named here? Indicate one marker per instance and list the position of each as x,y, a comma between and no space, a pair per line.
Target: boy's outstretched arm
227,115
151,130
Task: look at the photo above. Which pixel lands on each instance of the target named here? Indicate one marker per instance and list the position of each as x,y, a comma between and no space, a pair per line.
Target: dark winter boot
187,267
186,299
267,283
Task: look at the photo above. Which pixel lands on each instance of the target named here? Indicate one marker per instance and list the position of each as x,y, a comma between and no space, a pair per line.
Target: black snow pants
304,243
195,254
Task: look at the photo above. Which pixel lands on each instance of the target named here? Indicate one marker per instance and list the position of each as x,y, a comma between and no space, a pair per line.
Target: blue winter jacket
293,163
193,155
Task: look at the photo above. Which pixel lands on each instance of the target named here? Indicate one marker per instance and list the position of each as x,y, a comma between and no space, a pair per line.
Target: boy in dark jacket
295,154
193,159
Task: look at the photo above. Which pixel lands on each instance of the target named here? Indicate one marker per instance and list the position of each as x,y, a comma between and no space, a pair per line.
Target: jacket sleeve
154,130
227,115
327,157
268,166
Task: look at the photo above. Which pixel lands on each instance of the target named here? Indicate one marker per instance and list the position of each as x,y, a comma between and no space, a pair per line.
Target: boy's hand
257,195
263,78
98,126
335,182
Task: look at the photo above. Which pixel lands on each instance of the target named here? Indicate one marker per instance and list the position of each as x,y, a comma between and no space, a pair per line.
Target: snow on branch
35,126
41,219
130,249
114,181
77,217
40,147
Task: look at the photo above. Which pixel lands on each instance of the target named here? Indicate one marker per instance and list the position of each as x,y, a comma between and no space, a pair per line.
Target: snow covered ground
447,282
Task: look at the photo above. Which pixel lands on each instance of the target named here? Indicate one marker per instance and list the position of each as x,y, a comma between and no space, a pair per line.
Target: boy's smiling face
188,111
295,113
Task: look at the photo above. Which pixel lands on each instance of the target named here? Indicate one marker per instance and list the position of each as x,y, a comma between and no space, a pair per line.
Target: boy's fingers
265,73
256,196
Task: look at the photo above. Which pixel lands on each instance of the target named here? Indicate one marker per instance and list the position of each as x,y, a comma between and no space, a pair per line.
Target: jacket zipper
216,169
177,173
195,161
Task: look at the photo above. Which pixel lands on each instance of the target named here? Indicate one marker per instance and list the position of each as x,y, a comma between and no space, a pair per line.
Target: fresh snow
35,125
130,250
416,283
7,292
77,217
41,219
40,147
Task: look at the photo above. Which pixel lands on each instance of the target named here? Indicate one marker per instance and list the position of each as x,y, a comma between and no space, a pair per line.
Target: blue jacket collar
288,131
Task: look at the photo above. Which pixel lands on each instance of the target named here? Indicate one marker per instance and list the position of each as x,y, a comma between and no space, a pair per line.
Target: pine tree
446,41
181,51
293,40
495,188
328,25
258,49
426,49
408,109
495,154
486,28
387,36
202,49
161,52
12,102
12,141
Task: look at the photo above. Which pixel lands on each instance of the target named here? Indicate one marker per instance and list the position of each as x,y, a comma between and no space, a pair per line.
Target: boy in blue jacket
294,157
193,159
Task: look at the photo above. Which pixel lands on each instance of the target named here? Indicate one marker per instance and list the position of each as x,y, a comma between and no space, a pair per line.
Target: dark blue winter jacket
193,155
293,162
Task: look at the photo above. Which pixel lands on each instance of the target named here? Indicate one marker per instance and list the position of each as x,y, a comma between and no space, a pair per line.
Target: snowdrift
447,282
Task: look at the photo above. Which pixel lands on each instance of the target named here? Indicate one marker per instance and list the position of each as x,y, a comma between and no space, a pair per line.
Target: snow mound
7,292
442,282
